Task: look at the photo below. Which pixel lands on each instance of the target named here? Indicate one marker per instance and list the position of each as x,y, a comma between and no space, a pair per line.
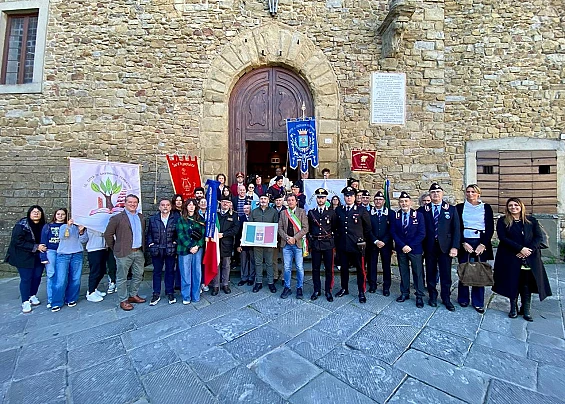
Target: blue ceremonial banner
302,143
212,209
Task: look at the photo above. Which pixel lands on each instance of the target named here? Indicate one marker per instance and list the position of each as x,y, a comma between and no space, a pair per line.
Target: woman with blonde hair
518,268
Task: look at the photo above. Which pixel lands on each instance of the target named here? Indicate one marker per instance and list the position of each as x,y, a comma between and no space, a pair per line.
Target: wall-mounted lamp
273,6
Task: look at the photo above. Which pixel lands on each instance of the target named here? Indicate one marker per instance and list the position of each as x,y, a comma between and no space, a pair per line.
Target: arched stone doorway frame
273,44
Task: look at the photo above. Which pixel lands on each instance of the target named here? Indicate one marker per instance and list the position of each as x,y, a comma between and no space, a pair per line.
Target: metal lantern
273,5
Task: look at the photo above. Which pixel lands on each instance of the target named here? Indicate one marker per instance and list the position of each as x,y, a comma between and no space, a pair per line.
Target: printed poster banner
363,160
184,174
302,143
259,234
333,186
99,189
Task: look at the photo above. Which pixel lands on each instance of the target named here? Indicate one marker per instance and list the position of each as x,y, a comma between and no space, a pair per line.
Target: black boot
513,308
527,303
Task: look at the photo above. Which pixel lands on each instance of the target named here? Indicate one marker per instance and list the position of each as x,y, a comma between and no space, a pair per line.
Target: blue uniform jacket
449,230
415,233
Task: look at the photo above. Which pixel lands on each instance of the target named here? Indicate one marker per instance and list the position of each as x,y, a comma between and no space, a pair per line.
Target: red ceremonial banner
184,174
363,160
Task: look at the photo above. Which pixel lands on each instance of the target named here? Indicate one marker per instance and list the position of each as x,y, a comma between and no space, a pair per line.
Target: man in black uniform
443,237
353,230
381,244
322,222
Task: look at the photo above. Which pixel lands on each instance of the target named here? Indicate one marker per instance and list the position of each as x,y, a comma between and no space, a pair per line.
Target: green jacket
185,228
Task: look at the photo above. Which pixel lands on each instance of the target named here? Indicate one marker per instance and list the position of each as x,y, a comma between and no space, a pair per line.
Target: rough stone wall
124,79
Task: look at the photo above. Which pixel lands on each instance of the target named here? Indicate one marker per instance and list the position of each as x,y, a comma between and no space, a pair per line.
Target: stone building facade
130,80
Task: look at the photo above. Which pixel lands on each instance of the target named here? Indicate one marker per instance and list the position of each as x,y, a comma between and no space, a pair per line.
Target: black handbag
196,234
475,273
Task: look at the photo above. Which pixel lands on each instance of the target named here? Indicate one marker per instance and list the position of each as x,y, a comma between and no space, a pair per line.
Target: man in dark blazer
408,230
443,238
124,235
353,231
381,244
229,225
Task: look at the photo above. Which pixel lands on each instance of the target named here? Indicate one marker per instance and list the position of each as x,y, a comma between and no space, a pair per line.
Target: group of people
355,233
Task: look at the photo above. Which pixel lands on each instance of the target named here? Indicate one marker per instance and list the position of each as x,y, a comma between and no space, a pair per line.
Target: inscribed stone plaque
388,98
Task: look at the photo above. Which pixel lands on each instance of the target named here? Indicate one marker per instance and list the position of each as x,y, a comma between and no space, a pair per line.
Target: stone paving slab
91,385
328,389
375,303
154,332
374,378
237,323
548,355
551,380
344,322
502,343
503,365
336,304
501,392
408,313
174,384
191,342
414,391
44,388
541,339
499,322
7,364
95,353
550,325
465,384
273,306
255,343
108,330
443,345
463,321
53,354
243,386
301,318
285,371
313,344
213,363
151,357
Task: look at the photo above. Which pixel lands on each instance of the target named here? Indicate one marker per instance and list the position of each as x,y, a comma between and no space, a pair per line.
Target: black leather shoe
329,297
386,292
215,291
402,298
449,306
299,293
249,283
226,290
272,288
257,287
342,292
286,293
480,309
241,283
314,295
432,302
372,289
362,298
419,302
464,304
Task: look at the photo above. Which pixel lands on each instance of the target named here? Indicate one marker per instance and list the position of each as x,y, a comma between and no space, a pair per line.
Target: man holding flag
293,226
228,227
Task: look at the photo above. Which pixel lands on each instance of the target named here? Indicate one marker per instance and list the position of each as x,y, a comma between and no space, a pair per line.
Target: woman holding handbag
518,267
477,228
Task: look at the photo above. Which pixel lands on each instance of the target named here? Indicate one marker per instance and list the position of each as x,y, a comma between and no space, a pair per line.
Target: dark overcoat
507,265
352,227
449,233
229,225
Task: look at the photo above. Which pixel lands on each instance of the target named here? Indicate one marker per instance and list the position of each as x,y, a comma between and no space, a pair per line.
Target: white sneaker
111,287
183,302
94,297
101,294
205,288
48,305
34,301
26,307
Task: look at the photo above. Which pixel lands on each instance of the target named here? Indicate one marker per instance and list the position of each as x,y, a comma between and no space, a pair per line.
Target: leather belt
136,249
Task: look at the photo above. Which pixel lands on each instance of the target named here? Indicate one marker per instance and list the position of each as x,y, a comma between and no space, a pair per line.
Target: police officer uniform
380,231
322,222
408,229
439,241
353,230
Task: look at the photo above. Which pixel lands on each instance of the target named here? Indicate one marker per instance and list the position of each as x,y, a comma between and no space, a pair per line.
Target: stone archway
270,45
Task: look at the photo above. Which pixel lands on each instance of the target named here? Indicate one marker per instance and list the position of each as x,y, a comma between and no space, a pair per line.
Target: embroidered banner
333,186
259,234
184,174
99,190
302,143
363,160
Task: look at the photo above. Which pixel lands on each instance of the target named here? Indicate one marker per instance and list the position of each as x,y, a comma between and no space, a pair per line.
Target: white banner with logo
99,190
333,187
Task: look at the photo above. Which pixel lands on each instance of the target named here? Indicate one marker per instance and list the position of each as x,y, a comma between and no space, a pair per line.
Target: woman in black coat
477,227
518,267
23,253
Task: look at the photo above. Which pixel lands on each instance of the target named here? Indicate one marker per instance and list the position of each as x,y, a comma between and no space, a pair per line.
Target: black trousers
386,254
436,261
356,258
327,256
97,263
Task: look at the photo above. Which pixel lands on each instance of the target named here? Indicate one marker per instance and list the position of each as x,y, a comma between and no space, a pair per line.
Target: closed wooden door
260,103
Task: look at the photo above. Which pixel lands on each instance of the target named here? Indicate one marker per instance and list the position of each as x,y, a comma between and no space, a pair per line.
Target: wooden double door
260,103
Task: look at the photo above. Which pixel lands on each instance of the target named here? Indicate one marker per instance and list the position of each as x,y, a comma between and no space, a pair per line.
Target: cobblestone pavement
257,348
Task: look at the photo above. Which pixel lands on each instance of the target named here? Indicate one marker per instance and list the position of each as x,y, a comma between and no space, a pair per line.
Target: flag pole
155,187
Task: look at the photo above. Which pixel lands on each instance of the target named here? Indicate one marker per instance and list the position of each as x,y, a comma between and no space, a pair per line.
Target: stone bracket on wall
392,29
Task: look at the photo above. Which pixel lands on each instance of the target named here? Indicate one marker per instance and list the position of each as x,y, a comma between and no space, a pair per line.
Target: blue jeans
30,278
50,270
293,252
68,270
168,261
477,292
190,267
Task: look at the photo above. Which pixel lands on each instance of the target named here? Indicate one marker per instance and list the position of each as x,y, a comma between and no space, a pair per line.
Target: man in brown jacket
124,235
293,226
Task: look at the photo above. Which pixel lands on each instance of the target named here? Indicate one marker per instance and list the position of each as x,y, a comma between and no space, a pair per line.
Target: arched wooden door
259,104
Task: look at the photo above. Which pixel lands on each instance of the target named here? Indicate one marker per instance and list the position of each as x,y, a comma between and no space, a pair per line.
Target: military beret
278,177
351,181
225,198
295,186
265,195
321,192
435,186
348,191
364,192
379,194
404,194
